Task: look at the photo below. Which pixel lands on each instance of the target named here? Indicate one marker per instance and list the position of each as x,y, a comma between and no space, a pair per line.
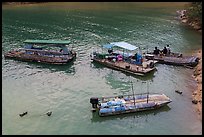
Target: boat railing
44,52
129,95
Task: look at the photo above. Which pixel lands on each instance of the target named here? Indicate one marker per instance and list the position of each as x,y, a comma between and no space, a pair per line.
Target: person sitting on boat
156,51
110,51
135,56
164,51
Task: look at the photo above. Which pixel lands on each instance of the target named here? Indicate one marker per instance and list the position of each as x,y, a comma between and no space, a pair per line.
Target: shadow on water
141,114
147,76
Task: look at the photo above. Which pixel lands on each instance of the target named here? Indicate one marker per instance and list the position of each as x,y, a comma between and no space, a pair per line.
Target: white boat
106,106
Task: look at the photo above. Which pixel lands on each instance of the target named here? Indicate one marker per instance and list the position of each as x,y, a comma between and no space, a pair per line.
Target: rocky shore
195,24
197,95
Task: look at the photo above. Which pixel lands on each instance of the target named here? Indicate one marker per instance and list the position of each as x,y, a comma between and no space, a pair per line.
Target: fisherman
156,51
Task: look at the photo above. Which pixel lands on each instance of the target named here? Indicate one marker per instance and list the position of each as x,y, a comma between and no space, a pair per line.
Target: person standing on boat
135,56
168,50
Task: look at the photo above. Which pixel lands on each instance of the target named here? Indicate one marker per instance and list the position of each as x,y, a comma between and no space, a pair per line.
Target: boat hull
125,67
22,56
132,111
175,59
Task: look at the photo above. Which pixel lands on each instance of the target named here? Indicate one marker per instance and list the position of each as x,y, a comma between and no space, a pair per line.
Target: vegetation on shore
20,2
193,16
195,12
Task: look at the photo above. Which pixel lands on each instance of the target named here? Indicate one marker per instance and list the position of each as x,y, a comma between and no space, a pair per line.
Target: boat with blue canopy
44,51
125,57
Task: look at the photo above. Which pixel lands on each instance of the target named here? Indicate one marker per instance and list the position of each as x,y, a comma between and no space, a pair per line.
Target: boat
177,59
123,61
43,51
115,105
122,104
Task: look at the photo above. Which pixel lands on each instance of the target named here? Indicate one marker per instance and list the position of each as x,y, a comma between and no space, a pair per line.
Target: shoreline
197,73
197,94
195,24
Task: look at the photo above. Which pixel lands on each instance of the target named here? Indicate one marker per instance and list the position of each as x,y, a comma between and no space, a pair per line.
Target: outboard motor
94,102
151,65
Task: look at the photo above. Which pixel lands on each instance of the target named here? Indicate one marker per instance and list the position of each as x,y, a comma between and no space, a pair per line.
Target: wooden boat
43,51
124,62
174,59
106,106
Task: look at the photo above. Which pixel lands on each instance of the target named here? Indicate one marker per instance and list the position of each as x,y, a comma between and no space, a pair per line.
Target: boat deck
125,66
151,98
115,105
175,60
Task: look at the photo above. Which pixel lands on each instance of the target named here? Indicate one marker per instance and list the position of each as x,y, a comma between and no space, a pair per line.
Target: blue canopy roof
108,46
122,44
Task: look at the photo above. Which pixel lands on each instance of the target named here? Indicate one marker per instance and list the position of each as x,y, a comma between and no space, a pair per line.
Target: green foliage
195,11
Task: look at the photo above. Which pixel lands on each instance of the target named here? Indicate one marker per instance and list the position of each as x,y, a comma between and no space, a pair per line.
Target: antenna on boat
133,93
147,91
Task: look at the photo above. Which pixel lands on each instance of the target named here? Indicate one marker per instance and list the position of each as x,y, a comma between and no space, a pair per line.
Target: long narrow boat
107,106
43,51
124,62
174,59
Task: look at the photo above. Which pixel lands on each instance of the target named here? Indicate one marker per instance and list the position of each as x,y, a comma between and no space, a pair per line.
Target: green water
66,90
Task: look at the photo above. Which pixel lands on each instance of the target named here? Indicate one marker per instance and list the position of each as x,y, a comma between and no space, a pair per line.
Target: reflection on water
137,115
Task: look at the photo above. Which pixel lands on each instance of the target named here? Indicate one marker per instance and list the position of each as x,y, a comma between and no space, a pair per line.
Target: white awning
124,45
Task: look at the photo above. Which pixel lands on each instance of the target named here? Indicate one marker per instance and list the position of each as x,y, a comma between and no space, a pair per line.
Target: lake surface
66,90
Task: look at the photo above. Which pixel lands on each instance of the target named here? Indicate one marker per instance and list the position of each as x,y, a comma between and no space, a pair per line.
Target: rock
49,113
194,101
194,93
184,20
197,27
22,114
199,79
177,91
